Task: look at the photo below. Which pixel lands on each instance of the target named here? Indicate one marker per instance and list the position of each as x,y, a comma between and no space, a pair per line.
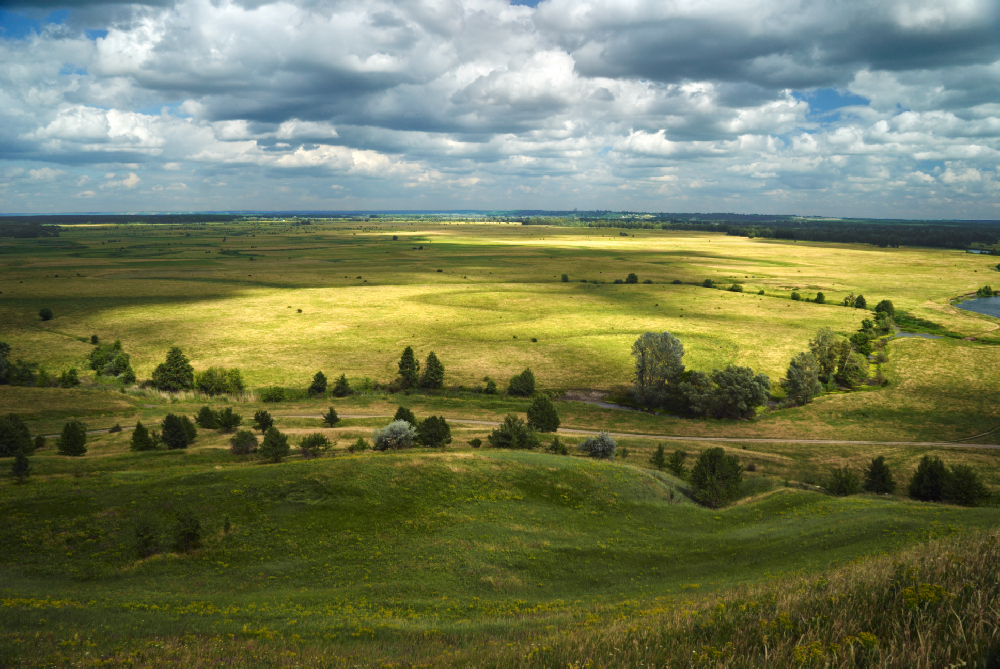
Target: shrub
760,292
929,480
622,453
342,388
542,415
963,486
243,442
220,381
272,394
175,373
619,281
360,445
141,440
45,314
820,298
14,436
522,385
207,418
557,447
736,288
262,420
801,381
434,432
433,376
677,282
659,458
94,339
738,392
409,368
69,378
885,307
21,467
73,440
172,432
632,278
318,386
21,373
330,417
565,278
843,482
146,539
985,291
860,303
402,413
314,445
187,531
491,386
676,464
396,435
514,434
602,446
878,478
228,419
274,447
796,296
716,477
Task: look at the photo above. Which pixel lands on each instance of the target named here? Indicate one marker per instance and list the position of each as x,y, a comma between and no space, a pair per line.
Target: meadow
481,557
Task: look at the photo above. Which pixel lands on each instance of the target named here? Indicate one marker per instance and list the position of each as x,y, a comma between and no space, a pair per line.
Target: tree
69,378
556,447
175,373
853,368
658,368
274,447
228,419
434,432
14,436
826,347
928,482
45,314
542,415
141,440
659,458
243,442
860,303
190,432
360,445
565,278
801,381
491,386
843,482
73,440
318,386
409,368
878,478
272,394
676,464
342,388
21,467
820,298
4,363
314,445
602,446
207,418
402,413
220,381
738,392
522,385
396,435
632,278
187,531
716,477
172,432
885,307
514,434
262,420
330,417
433,376
964,487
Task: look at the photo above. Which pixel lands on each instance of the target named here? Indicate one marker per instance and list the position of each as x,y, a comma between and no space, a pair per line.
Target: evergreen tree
21,467
409,368
522,385
342,388
207,418
172,432
557,447
878,478
228,419
659,458
73,440
513,433
243,442
433,376
542,415
928,482
860,303
14,436
318,386
402,413
190,432
434,432
262,419
174,374
314,445
676,464
275,445
141,441
330,417
963,486
716,477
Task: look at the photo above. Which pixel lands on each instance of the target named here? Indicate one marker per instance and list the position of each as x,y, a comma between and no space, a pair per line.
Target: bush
491,386
73,440
396,435
274,447
801,381
272,394
602,446
69,378
885,307
843,482
659,458
243,442
39,442
21,373
622,453
796,296
330,417
565,278
964,487
409,368
262,420
860,303
632,278
94,339
228,419
318,386
207,418
475,442
146,539
542,415
707,283
14,436
985,291
175,373
187,531
45,314
342,388
433,376
716,477
736,288
360,445
677,282
820,298
676,464
141,439
929,480
402,413
314,445
878,478
434,432
220,381
21,467
738,392
557,447
514,434
522,385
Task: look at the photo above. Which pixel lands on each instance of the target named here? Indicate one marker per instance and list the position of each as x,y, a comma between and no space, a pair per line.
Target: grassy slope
370,555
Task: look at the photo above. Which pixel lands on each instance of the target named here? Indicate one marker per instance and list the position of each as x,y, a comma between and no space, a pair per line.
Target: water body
922,335
982,305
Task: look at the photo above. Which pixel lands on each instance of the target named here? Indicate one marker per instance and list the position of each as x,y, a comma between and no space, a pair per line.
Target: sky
858,108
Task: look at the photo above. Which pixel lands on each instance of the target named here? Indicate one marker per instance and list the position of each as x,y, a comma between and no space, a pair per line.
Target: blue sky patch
824,100
18,25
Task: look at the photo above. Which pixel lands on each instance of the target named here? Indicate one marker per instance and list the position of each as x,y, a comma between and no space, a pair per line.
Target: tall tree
658,367
73,440
21,466
274,447
542,415
141,440
318,386
409,368
878,478
172,432
801,381
826,347
175,373
433,376
342,388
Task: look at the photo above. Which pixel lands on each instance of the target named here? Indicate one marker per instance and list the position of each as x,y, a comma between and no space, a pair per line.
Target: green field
480,557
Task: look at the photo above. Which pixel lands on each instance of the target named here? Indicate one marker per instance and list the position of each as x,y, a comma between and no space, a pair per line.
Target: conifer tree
275,445
542,415
433,376
172,432
141,441
174,374
21,467
330,417
318,386
409,368
73,440
342,388
659,458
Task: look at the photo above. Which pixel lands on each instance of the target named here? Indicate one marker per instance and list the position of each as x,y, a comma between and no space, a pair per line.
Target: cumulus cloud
850,107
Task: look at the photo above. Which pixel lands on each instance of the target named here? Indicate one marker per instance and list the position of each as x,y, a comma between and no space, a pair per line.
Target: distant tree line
26,229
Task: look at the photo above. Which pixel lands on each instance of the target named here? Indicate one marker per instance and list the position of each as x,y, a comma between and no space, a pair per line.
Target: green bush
360,445
522,385
885,307
963,486
314,445
402,413
985,291
396,435
145,537
491,386
514,434
542,415
632,278
45,314
796,296
475,442
707,283
21,467
602,446
228,419
716,478
843,482
736,288
262,420
274,446
207,418
557,447
820,298
272,394
878,477
220,381
434,432
659,458
318,386
73,440
243,442
69,378
141,439
565,278
14,436
342,388
738,392
860,303
39,442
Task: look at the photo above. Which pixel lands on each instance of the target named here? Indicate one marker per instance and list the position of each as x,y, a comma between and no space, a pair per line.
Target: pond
982,305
